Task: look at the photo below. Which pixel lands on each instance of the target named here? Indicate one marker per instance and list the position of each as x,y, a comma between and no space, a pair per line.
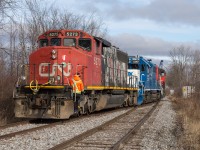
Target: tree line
184,70
22,21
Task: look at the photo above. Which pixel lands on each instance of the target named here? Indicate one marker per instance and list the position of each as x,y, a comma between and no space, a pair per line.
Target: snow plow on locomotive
46,87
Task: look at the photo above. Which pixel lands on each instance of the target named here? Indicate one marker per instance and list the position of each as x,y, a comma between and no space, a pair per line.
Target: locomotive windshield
85,44
55,42
43,42
70,42
133,66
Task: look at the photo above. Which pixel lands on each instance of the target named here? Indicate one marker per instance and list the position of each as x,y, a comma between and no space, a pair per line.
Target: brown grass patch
189,112
7,112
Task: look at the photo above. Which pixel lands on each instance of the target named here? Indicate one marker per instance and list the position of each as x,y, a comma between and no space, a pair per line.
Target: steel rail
9,135
68,143
13,124
133,131
27,131
85,134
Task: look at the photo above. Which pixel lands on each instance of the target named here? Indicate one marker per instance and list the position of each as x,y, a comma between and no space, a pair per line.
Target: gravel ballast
49,137
159,132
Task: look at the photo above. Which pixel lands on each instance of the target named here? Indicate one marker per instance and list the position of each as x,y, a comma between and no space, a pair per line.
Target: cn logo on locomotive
43,69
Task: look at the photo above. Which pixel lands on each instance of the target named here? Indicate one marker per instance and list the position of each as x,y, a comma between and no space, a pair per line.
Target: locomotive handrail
24,71
36,88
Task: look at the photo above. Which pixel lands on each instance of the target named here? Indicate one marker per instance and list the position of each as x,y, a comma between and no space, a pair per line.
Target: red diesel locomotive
43,89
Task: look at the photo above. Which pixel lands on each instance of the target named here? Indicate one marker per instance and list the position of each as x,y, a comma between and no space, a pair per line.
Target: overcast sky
145,27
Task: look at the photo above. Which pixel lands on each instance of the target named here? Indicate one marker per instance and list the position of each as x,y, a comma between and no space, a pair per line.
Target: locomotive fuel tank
109,101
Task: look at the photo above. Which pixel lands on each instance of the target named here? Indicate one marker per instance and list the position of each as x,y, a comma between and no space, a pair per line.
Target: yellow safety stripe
109,88
88,87
47,87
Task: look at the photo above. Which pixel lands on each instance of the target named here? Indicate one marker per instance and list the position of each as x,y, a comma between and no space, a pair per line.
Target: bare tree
19,36
195,73
178,75
6,6
41,18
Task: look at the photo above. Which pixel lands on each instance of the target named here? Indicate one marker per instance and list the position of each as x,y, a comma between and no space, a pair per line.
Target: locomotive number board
71,34
53,34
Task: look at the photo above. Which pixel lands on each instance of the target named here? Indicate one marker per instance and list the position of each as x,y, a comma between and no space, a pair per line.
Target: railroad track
112,134
35,126
28,130
13,124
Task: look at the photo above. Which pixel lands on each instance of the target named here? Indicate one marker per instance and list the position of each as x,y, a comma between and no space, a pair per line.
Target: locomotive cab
44,90
150,80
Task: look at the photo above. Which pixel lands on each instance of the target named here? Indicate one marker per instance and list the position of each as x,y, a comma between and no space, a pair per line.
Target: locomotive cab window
162,74
143,68
70,42
43,43
55,42
85,44
133,66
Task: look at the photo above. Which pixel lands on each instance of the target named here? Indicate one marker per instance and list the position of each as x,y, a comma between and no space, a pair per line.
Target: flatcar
43,88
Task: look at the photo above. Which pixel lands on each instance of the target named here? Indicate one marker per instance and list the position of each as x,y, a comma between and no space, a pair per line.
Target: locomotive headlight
23,78
53,51
53,54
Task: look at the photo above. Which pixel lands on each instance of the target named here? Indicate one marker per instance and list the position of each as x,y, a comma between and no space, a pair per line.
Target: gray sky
145,27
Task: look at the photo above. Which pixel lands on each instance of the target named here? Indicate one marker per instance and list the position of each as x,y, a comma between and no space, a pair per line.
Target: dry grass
7,112
189,112
3,118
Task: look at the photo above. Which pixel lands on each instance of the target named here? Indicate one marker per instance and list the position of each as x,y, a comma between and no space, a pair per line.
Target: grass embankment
189,112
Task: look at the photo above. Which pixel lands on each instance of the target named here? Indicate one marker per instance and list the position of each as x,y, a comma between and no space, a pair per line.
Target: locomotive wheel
125,104
90,109
130,101
126,100
87,112
84,105
148,97
78,114
159,96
